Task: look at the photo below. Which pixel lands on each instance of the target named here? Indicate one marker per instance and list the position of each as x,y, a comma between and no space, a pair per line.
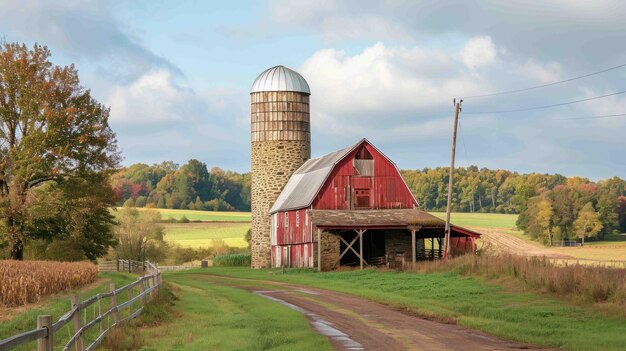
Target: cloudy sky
177,75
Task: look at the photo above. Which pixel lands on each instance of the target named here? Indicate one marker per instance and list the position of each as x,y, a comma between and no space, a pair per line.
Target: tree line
190,186
551,206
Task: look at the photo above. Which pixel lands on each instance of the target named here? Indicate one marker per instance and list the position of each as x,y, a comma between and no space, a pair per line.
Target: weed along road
352,323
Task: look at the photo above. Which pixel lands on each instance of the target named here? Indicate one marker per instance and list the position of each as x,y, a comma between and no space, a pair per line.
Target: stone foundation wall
398,241
330,250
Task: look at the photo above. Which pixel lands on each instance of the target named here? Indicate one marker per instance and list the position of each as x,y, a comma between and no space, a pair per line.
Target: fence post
45,344
130,266
78,323
116,313
118,264
142,290
150,285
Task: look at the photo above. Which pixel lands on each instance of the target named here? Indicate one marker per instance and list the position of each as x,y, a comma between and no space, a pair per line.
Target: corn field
23,282
232,260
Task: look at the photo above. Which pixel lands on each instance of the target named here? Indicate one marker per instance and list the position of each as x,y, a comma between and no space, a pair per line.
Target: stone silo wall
281,143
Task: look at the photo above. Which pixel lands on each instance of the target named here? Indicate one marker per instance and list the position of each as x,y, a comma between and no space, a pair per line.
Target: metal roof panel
280,78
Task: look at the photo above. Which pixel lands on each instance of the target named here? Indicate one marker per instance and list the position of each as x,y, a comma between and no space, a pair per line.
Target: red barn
355,204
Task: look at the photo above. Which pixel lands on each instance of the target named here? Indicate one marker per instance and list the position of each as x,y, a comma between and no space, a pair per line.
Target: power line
546,106
590,117
463,142
544,85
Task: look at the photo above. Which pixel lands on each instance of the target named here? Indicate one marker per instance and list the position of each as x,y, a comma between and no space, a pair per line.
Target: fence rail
44,333
568,243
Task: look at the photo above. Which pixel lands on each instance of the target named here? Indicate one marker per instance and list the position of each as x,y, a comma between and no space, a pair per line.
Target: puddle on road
322,326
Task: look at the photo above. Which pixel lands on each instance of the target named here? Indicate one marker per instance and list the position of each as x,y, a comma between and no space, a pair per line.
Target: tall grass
22,282
232,260
579,283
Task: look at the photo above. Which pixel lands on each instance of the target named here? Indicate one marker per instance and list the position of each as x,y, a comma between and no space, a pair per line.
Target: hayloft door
361,192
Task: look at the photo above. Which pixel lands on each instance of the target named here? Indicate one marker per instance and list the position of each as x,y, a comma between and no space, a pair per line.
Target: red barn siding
386,186
298,255
292,231
463,244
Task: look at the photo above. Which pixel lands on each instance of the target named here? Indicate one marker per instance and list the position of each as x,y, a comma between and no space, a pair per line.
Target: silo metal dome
280,78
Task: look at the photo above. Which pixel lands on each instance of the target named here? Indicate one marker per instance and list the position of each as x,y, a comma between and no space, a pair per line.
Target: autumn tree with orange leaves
51,132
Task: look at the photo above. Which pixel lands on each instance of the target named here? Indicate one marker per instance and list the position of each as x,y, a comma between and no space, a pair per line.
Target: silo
281,143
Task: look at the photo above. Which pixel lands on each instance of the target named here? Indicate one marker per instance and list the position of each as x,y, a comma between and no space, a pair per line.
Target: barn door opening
373,247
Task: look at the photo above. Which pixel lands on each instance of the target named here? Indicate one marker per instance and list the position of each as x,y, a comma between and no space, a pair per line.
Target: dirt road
509,243
352,323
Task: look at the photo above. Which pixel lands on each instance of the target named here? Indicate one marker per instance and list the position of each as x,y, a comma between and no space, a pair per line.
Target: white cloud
544,73
383,82
154,98
479,51
157,118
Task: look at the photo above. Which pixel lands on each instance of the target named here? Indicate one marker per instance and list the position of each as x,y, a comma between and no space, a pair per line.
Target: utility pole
446,240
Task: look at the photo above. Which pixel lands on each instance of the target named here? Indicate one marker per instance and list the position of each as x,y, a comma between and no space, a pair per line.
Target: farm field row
481,220
202,235
206,216
484,220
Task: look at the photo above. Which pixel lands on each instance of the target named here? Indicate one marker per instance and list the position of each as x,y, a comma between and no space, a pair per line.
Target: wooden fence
122,266
567,243
148,286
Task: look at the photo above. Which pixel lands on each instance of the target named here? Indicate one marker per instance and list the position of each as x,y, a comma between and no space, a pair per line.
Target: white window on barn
297,218
275,220
306,218
286,214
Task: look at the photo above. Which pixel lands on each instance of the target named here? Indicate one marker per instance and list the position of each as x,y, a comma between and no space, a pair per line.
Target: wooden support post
118,265
116,313
45,344
413,245
432,248
439,243
80,341
319,249
361,231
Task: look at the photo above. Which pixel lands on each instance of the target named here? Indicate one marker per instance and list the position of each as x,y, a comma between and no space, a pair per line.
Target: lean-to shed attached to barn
356,206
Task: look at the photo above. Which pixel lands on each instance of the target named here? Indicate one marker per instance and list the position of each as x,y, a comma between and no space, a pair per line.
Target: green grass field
509,314
196,235
210,317
206,216
482,220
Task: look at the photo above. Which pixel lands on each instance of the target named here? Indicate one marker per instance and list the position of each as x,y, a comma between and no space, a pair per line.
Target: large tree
51,130
588,223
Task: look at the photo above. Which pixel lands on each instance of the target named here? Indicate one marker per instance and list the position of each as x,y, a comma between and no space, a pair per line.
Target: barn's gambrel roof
308,180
